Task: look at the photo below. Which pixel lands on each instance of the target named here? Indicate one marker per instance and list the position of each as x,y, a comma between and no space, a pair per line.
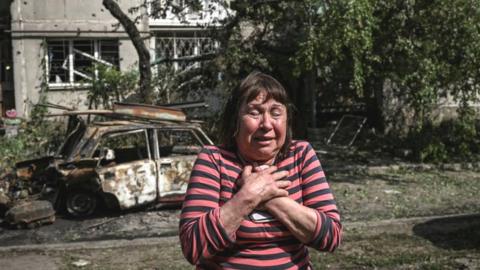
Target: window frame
114,134
69,61
156,139
195,38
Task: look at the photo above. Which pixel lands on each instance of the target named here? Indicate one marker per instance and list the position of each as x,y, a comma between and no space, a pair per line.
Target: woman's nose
266,122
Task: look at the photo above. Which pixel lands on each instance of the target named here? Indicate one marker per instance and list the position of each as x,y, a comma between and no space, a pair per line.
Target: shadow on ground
457,233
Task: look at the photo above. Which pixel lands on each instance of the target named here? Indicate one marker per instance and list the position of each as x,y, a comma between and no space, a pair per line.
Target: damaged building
54,43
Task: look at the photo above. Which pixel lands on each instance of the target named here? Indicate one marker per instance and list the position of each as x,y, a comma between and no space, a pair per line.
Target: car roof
132,124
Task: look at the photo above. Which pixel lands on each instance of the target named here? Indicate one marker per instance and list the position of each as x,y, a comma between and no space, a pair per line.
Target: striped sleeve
317,195
202,235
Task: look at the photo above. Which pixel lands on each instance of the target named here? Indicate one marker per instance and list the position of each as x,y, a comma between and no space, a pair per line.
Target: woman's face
262,129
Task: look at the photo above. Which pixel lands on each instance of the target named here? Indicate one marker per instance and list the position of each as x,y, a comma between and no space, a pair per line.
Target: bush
451,140
35,139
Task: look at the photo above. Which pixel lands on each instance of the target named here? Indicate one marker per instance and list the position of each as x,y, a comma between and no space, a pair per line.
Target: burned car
137,155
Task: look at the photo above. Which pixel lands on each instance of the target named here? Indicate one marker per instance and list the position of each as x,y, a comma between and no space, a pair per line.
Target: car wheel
81,203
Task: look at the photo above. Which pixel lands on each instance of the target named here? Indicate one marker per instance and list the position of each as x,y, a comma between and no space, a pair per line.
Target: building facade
54,44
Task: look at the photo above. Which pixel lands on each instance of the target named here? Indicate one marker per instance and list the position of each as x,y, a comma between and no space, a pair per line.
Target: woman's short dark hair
246,91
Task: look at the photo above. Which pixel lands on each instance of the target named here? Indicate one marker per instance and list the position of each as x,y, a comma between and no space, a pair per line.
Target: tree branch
140,47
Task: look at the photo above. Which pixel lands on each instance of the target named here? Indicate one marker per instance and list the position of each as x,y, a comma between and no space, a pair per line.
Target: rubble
30,214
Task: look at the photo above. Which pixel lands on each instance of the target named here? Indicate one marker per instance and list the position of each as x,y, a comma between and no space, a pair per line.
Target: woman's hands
255,188
263,185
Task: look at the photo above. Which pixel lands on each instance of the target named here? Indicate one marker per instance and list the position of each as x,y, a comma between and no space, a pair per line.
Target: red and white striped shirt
267,245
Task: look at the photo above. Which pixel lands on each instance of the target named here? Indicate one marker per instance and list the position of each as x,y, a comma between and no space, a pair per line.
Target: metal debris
347,130
149,112
144,157
30,214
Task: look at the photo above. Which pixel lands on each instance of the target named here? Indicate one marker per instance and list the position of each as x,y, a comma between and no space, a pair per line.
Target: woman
261,198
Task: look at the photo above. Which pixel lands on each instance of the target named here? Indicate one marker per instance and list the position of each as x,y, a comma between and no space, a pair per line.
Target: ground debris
101,223
80,263
391,191
468,263
30,214
4,199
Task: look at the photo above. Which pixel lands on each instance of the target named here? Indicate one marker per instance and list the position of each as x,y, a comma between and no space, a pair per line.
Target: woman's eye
254,112
277,113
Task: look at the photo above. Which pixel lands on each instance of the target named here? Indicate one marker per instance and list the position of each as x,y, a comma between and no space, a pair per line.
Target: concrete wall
74,18
33,21
27,73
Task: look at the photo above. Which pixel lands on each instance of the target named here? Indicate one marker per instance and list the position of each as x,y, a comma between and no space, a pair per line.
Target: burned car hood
32,168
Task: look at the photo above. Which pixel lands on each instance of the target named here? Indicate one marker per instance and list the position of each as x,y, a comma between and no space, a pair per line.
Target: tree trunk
303,95
144,68
310,98
374,102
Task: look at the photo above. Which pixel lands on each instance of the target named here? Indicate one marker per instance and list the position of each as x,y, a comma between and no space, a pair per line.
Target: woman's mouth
263,140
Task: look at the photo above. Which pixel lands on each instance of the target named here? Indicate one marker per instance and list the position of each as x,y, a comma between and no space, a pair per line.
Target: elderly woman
258,200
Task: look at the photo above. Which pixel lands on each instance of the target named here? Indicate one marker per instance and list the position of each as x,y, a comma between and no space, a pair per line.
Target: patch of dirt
360,197
404,193
388,244
128,225
30,261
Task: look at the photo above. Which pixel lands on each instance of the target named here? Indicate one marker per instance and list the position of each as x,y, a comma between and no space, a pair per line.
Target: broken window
6,68
7,99
83,59
127,146
178,142
73,61
57,60
183,44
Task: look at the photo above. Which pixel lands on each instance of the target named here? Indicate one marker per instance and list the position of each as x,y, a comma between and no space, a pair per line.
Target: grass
405,194
392,251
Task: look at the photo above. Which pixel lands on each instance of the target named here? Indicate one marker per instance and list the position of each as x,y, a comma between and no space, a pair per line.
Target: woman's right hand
263,185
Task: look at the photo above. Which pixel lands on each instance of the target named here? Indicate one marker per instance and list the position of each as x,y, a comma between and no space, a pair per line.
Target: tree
265,35
110,85
419,51
144,67
428,50
369,51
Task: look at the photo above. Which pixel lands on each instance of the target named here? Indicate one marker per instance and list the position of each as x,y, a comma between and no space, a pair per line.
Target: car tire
81,203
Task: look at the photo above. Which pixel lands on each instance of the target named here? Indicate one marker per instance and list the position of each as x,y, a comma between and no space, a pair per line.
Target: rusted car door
178,149
130,175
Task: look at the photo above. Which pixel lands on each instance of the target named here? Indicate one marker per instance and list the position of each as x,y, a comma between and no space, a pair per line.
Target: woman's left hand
263,184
